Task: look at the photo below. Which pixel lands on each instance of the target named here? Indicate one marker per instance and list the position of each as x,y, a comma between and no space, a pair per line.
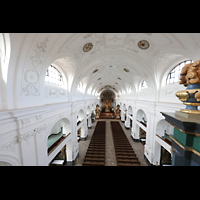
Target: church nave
110,157
55,87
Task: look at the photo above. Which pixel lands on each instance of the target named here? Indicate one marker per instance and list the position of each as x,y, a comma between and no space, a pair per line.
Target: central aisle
110,150
110,158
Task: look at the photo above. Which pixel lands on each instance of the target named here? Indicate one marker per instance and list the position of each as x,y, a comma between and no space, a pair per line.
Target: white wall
24,132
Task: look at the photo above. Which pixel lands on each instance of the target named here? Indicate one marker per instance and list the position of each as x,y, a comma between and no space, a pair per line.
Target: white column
122,115
89,121
127,122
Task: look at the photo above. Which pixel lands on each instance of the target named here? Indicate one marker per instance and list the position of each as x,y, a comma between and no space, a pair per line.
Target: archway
58,144
81,132
5,51
141,126
128,122
9,160
162,147
3,163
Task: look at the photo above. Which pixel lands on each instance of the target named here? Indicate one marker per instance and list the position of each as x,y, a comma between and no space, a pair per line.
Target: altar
107,115
107,109
107,105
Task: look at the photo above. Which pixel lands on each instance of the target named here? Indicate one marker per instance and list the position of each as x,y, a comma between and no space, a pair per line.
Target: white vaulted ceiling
111,53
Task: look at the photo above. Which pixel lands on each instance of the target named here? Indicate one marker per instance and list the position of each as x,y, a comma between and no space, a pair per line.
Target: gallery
99,99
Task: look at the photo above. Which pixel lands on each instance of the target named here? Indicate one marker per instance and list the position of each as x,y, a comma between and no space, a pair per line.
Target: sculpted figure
190,78
190,73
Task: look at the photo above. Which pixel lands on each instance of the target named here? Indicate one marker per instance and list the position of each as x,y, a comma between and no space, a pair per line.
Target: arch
5,51
163,73
174,74
66,67
66,123
124,107
92,108
130,110
54,76
141,126
88,110
60,70
81,130
141,116
143,85
9,160
163,127
59,128
80,115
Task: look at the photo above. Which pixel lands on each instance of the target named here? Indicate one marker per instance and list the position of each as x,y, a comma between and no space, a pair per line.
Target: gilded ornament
87,47
190,78
96,70
126,70
143,44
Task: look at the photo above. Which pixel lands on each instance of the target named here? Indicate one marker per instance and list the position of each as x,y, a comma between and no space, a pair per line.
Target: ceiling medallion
126,70
96,70
87,47
119,78
143,44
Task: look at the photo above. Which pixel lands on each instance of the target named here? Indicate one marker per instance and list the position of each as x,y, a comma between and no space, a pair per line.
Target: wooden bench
95,155
125,155
94,159
128,164
93,163
135,160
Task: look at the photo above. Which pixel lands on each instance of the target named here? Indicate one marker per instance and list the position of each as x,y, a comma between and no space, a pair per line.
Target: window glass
53,76
144,85
174,74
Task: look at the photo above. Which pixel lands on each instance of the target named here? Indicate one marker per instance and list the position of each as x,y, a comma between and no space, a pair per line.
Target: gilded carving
190,78
87,47
190,73
143,44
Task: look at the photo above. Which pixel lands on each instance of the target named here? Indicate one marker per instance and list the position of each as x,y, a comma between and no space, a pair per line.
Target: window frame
53,76
174,75
144,85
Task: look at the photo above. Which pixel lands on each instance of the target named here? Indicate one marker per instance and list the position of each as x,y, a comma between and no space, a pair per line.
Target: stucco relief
26,136
55,92
9,146
31,75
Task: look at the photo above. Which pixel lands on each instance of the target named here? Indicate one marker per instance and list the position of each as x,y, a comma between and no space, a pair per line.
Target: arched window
174,74
53,76
79,87
144,85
